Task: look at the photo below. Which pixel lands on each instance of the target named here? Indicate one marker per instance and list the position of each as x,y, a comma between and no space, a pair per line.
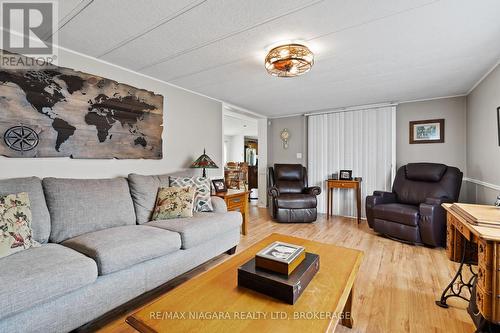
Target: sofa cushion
404,214
202,227
79,206
296,201
144,189
202,197
15,224
41,273
39,211
174,202
118,248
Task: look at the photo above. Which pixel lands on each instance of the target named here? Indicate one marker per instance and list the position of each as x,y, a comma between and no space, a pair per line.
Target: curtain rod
351,108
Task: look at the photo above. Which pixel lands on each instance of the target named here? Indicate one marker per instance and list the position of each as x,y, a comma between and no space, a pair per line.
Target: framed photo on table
427,131
345,175
219,185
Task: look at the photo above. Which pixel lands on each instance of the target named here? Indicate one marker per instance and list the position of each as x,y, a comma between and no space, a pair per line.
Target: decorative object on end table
219,185
280,257
285,288
427,131
334,176
285,135
204,162
345,174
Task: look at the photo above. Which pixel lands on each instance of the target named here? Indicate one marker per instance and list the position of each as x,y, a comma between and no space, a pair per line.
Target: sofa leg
231,250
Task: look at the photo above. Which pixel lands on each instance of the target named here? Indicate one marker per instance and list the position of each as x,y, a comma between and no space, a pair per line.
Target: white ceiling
366,51
240,126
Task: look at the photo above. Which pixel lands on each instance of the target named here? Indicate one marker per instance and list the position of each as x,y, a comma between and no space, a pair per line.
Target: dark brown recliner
412,212
291,198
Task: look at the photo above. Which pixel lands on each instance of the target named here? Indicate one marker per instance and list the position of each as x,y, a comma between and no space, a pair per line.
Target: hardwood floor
395,289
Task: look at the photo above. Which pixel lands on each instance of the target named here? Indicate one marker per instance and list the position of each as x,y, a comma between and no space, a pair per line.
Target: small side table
237,200
346,184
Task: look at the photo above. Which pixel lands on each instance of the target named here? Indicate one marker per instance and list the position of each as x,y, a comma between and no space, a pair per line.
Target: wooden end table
342,184
237,200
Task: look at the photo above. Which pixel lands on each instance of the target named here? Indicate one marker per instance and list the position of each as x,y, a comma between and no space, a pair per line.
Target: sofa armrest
219,204
273,191
315,190
433,221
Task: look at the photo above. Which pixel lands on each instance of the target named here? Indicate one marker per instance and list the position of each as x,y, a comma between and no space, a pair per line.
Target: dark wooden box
279,286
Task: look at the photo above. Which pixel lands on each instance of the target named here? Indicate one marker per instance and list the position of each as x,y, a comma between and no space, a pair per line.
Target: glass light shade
289,60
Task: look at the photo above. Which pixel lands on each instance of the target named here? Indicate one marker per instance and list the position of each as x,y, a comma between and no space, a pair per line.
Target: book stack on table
280,270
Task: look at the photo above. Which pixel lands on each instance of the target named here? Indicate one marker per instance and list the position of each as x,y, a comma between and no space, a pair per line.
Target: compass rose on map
21,138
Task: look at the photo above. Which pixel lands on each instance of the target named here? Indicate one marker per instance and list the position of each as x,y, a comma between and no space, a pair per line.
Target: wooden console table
237,200
346,184
471,244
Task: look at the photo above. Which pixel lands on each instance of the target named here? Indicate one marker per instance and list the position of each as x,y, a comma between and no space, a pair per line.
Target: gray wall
483,151
191,123
297,127
452,151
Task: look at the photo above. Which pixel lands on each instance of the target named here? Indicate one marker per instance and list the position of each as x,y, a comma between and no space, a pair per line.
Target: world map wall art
59,112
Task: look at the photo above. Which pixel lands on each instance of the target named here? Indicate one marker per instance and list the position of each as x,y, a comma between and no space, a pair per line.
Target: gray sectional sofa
99,249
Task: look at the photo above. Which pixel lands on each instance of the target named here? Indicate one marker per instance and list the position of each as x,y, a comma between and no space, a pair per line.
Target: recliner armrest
273,191
384,194
315,190
380,198
437,201
433,221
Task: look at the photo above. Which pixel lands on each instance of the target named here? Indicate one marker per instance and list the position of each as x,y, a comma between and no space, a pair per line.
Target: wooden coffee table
213,302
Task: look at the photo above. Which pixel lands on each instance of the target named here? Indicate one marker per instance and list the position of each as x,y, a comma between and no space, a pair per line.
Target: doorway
245,152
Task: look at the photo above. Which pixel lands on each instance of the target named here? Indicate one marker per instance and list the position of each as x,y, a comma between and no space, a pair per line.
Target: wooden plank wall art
57,112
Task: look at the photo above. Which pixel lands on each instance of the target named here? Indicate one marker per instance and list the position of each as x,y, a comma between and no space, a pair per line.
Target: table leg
331,201
244,225
454,288
346,319
327,202
358,203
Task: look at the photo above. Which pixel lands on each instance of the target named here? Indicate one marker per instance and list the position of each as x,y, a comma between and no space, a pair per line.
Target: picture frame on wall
219,185
345,174
427,131
498,124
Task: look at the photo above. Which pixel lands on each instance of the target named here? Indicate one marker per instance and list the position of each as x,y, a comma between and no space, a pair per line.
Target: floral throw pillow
202,198
174,202
15,224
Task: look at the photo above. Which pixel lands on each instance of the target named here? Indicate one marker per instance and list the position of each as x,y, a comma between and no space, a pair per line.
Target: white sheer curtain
362,141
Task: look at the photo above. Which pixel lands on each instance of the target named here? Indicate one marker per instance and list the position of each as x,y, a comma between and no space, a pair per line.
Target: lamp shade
204,162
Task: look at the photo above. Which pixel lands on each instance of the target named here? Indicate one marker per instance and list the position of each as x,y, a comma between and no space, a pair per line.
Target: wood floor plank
396,286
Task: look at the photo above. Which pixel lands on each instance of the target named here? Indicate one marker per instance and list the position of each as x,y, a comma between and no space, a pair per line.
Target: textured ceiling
234,125
366,51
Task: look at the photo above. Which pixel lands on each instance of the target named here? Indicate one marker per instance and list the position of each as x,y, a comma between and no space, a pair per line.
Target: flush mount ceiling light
289,60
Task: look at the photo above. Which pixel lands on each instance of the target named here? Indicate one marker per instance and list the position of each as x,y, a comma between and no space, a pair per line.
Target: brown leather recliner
291,198
412,212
